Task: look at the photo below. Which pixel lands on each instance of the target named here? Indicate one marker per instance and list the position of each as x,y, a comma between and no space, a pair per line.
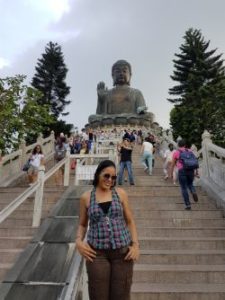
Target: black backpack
60,153
188,159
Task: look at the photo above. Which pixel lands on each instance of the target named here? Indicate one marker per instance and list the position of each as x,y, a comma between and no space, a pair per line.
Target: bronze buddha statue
121,104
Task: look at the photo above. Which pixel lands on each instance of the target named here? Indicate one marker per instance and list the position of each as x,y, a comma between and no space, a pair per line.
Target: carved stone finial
206,136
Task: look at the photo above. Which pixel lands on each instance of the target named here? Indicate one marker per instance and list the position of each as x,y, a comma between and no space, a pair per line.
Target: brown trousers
109,275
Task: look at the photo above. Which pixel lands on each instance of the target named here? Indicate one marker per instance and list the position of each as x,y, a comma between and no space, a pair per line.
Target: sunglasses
108,176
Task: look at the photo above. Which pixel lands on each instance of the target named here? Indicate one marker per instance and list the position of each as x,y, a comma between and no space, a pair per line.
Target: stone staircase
182,252
16,231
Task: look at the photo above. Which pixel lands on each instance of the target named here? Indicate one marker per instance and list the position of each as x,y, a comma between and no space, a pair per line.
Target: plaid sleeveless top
107,231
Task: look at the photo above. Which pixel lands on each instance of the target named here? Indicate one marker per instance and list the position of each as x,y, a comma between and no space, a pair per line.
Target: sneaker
125,179
146,169
166,177
132,183
188,208
195,197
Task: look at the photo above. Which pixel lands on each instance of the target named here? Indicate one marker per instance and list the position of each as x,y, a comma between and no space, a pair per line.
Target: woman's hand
85,250
133,253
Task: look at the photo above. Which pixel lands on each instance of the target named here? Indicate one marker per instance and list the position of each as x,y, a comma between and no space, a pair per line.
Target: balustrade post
112,155
206,139
76,181
40,139
23,157
39,198
52,141
170,135
67,168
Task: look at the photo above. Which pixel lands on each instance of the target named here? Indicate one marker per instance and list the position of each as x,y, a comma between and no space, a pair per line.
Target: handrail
76,267
8,210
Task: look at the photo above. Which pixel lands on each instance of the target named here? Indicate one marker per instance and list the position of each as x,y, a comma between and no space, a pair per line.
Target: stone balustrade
212,166
11,164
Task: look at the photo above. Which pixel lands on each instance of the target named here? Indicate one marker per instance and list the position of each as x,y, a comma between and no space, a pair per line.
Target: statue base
131,120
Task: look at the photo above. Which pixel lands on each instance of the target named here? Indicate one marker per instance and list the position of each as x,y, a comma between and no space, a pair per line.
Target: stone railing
212,166
213,170
11,164
85,168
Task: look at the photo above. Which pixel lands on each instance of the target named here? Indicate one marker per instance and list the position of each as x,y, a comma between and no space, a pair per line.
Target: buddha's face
121,75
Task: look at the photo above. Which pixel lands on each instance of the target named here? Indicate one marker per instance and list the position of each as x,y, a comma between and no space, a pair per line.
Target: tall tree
199,96
20,114
50,78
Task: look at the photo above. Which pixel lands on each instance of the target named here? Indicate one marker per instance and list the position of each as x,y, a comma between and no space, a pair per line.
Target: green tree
50,78
199,96
20,114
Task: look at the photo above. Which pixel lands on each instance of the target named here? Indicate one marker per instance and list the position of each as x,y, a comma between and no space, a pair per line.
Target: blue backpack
189,160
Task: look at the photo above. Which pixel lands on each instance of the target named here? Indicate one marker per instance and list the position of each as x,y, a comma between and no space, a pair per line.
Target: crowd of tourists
83,142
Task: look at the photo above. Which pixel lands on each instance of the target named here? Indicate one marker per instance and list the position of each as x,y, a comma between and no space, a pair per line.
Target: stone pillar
76,180
39,197
23,157
206,139
52,141
67,168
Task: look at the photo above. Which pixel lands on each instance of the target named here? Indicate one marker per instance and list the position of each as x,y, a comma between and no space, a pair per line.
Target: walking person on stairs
112,242
147,155
187,165
125,150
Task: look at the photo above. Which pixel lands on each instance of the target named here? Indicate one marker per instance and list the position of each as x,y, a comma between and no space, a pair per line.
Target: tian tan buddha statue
121,105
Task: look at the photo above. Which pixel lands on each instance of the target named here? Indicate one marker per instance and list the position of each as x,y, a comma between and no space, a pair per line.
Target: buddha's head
121,72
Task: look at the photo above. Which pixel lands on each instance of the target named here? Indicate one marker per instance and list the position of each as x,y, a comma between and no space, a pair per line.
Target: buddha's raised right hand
101,88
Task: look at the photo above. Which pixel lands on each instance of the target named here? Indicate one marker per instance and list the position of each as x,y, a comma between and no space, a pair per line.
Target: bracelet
135,242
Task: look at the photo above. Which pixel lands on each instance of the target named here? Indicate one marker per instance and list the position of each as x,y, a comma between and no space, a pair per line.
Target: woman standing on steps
36,159
112,242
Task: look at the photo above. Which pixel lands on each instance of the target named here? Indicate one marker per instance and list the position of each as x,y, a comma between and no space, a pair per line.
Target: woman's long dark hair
103,164
35,150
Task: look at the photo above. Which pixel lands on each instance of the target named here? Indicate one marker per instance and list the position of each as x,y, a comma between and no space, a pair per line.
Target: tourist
146,156
168,157
185,176
35,161
112,242
84,148
125,149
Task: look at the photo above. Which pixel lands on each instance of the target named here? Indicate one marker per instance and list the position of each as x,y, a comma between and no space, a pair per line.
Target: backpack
189,160
60,153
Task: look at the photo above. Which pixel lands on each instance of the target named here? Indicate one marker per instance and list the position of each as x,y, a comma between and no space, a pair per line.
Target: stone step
179,273
181,232
195,214
166,199
9,255
163,291
26,214
14,242
172,206
17,231
152,191
4,268
16,222
183,257
30,206
180,223
48,196
188,243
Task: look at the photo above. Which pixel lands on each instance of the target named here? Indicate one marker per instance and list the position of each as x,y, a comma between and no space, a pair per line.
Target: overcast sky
94,34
